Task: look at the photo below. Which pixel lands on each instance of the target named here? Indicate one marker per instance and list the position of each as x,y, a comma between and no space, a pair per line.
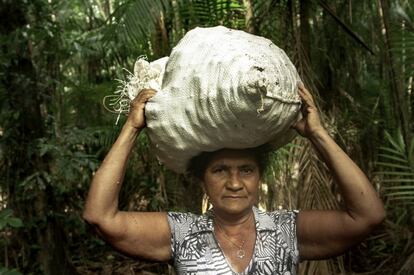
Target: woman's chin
234,208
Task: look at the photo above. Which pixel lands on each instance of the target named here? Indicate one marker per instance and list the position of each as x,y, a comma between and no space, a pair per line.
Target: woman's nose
234,183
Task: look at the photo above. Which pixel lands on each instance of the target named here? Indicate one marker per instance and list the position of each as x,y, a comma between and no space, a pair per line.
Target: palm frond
315,191
395,169
139,18
402,39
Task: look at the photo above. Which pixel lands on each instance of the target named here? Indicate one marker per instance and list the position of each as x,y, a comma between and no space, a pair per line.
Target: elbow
379,216
376,217
90,217
87,217
371,219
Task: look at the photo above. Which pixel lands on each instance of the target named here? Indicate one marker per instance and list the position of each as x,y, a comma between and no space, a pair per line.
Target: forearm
102,200
361,199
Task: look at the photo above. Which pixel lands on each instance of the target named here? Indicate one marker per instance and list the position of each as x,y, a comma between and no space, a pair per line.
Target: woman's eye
247,170
218,170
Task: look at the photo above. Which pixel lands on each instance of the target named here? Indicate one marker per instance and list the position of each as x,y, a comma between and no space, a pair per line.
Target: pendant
240,253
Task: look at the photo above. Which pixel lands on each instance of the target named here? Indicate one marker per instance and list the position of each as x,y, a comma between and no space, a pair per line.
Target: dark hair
198,164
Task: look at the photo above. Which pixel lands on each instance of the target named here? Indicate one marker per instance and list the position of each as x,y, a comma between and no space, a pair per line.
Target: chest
201,254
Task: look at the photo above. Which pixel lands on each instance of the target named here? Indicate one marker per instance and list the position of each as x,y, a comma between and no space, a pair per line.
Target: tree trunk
401,107
250,24
160,38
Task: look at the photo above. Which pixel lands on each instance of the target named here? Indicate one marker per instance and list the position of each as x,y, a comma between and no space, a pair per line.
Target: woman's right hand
136,117
310,123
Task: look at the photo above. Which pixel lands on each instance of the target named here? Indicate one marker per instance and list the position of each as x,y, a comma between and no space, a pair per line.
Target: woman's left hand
310,122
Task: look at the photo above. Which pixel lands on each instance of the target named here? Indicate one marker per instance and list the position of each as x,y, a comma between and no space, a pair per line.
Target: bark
250,24
160,38
305,29
400,100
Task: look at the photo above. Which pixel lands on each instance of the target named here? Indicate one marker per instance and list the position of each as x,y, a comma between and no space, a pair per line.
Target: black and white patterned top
196,251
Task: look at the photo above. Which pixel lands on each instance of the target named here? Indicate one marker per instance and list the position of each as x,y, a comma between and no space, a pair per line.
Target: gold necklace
240,253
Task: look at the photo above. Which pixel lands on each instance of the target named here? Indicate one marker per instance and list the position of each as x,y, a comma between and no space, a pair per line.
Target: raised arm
140,234
323,234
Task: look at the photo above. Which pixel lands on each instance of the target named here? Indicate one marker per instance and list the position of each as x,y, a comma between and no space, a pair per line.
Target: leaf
344,26
5,271
388,164
15,222
390,157
399,187
3,224
5,213
396,169
398,180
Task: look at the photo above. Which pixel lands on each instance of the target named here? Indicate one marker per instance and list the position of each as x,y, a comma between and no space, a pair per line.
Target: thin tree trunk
250,24
401,108
161,42
305,29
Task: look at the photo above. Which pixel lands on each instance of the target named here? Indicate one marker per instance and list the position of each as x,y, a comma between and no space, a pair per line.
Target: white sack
221,88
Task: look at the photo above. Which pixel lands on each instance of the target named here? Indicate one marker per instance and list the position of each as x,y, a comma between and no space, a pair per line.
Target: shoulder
282,223
284,216
180,217
184,231
182,224
277,231
278,217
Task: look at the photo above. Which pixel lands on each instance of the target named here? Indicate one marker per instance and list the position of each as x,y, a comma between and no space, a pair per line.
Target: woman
234,237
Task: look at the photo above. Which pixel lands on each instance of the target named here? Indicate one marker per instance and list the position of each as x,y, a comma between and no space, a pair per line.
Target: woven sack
219,88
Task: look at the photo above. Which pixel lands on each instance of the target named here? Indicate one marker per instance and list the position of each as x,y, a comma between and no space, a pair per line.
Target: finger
299,126
306,97
147,96
146,92
144,95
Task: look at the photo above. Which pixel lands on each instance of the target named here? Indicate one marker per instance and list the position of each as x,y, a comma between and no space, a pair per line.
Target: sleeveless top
196,251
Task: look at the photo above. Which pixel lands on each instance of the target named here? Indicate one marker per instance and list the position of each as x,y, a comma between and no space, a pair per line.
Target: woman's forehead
239,156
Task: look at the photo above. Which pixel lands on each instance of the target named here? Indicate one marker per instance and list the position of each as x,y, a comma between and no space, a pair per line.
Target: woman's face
231,180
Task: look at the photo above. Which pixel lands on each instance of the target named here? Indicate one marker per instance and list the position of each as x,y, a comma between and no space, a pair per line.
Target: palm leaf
402,39
139,18
395,169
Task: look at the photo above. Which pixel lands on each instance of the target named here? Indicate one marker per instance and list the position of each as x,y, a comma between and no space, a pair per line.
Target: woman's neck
236,222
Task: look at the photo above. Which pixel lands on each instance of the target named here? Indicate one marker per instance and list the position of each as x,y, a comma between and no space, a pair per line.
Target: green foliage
8,220
397,168
403,38
200,13
7,271
78,48
138,19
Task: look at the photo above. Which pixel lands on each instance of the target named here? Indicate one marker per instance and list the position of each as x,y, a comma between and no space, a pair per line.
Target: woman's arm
323,234
139,234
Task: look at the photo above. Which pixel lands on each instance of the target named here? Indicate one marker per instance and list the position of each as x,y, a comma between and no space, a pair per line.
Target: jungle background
60,58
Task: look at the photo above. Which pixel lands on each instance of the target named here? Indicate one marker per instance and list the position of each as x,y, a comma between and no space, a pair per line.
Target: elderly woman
234,237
